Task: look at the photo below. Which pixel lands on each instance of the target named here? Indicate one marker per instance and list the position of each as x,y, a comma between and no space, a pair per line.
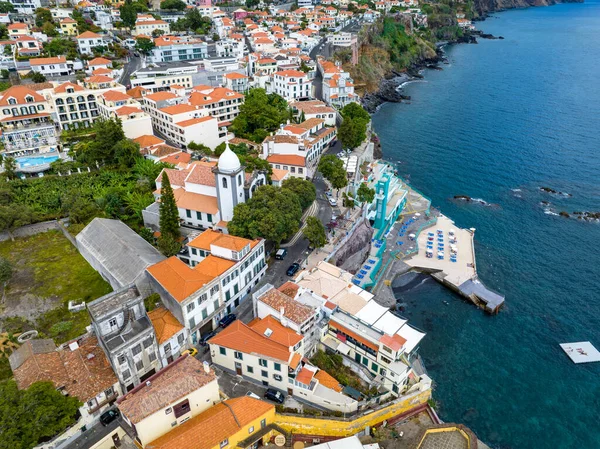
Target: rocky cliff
483,7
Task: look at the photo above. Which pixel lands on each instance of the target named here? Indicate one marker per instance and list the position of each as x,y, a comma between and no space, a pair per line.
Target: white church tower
229,174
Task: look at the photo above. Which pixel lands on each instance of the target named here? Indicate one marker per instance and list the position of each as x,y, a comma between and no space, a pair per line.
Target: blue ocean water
503,119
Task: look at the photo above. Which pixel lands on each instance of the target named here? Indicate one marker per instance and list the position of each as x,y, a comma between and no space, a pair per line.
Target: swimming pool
32,161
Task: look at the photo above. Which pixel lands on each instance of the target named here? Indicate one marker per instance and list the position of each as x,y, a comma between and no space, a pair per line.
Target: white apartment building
161,78
338,86
87,41
200,295
315,109
117,104
26,6
56,66
220,102
174,48
145,26
174,395
291,84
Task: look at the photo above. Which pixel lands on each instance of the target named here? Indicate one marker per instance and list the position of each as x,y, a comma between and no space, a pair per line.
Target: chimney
206,367
281,313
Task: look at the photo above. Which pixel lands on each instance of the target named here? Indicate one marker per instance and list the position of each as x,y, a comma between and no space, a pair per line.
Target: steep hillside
483,7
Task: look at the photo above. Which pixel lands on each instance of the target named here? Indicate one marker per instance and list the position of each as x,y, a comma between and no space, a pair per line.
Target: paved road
93,435
134,64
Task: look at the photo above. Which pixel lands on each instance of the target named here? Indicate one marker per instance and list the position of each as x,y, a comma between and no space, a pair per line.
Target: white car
332,201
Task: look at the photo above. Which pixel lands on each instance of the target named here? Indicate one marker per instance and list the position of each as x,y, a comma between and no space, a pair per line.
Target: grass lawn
333,364
48,272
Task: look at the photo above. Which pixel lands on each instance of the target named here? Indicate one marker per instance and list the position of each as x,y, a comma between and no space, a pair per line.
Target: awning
343,348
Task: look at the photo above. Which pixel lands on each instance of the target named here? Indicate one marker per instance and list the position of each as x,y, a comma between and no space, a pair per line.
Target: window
224,443
277,366
136,349
239,180
109,391
263,423
277,377
182,408
180,338
209,217
152,357
374,367
139,365
214,289
250,369
216,304
199,215
222,350
238,355
264,373
204,314
148,342
224,182
192,323
194,252
126,374
188,213
191,306
167,347
262,362
227,295
251,429
121,359
365,361
112,322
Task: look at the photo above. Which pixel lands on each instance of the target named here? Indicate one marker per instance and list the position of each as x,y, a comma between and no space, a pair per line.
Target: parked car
341,154
205,337
328,193
192,352
274,395
332,143
227,320
109,416
280,254
293,269
252,395
332,202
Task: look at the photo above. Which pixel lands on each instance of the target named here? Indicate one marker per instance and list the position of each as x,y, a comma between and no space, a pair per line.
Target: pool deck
460,276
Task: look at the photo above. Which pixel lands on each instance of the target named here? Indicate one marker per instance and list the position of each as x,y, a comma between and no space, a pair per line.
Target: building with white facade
172,337
147,24
87,41
26,6
114,104
291,84
338,86
177,48
315,109
55,66
222,274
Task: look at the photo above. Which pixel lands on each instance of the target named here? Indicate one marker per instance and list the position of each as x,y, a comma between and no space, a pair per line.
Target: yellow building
68,27
238,422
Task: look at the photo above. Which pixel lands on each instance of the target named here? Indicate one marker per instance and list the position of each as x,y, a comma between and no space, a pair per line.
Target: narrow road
131,66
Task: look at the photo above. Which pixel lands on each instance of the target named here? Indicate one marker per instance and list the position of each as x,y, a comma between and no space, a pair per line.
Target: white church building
206,192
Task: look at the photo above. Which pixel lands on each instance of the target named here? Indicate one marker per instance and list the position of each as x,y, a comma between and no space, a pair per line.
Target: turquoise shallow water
504,118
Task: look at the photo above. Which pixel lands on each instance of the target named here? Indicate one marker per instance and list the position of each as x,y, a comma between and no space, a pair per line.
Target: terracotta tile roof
296,358
99,61
45,61
177,158
330,305
289,288
289,159
239,337
127,110
305,376
62,88
328,381
213,266
17,26
177,109
293,310
278,175
177,278
210,237
195,121
279,333
295,129
84,373
395,342
235,76
201,173
202,96
164,150
282,138
161,96
311,123
115,95
136,92
148,140
167,386
176,177
218,423
291,74
19,93
88,35
165,324
102,71
99,79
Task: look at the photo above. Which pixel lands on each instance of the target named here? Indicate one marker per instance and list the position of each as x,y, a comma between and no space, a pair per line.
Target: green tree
49,29
15,216
260,114
10,167
168,245
157,33
355,111
215,37
168,213
144,44
130,10
36,414
351,133
4,35
173,5
314,231
332,169
108,133
38,77
272,213
43,15
127,152
6,7
199,150
305,190
365,194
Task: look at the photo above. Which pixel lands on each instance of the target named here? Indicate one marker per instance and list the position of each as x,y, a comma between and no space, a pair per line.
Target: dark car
205,337
274,395
293,269
109,416
227,320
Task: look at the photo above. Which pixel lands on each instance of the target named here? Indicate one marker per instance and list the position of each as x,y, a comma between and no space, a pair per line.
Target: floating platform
581,352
